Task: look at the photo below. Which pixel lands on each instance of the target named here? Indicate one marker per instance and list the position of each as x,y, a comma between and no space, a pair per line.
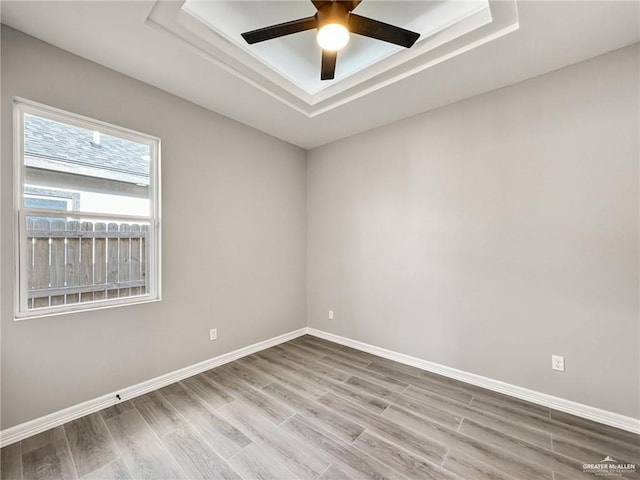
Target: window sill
90,307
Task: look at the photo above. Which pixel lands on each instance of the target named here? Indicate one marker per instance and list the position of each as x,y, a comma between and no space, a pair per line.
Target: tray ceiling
288,68
297,57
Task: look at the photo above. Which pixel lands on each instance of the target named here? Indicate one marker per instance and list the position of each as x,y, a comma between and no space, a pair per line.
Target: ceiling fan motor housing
335,12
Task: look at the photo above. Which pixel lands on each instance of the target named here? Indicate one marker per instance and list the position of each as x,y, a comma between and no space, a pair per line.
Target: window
50,199
87,213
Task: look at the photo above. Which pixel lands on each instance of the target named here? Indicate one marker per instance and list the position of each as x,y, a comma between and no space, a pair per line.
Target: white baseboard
585,411
41,424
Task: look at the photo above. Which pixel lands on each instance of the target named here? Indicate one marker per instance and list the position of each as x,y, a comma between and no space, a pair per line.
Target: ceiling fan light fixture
335,23
333,36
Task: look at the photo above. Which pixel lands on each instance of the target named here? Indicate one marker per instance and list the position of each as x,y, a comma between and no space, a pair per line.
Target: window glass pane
102,173
46,203
74,260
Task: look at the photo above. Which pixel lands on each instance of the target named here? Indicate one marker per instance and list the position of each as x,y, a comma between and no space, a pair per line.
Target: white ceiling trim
482,26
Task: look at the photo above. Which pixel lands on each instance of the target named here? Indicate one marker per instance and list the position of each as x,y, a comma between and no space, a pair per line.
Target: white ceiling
120,35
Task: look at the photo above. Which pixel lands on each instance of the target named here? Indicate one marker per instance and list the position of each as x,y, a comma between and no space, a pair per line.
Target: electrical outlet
557,363
330,314
213,334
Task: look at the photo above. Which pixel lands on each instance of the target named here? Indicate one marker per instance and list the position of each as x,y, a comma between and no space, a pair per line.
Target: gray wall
485,236
241,270
492,233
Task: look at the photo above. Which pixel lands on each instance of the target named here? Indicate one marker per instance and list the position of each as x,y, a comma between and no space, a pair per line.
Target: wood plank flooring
312,409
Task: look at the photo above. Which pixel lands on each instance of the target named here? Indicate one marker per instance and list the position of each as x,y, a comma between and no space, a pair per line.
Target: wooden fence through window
73,262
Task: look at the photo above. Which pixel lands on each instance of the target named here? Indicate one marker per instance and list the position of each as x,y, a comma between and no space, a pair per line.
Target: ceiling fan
334,21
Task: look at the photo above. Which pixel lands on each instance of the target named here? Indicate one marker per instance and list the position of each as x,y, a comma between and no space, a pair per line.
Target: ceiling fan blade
382,31
328,65
353,4
280,30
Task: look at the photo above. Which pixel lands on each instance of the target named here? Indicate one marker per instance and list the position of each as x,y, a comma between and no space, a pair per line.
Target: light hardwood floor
312,409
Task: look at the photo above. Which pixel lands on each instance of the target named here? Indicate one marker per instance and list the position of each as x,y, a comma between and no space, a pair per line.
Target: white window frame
23,106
